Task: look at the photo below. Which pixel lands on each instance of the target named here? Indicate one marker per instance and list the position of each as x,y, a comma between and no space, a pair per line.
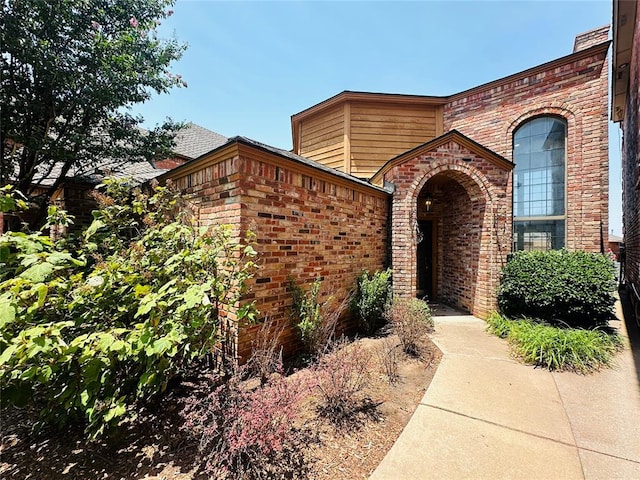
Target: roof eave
572,57
431,145
624,16
235,146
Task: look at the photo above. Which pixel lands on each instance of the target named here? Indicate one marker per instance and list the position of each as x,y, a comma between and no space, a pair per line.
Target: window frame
538,218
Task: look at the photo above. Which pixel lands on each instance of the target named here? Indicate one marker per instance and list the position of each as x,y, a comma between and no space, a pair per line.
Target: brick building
624,109
441,189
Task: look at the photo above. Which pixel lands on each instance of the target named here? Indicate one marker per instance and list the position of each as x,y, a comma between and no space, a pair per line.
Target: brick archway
472,220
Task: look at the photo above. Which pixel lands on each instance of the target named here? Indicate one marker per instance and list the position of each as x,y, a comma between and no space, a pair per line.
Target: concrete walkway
487,416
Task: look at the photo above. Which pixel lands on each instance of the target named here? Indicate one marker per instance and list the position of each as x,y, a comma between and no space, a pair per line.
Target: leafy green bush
372,297
411,320
85,334
315,320
306,312
571,287
557,348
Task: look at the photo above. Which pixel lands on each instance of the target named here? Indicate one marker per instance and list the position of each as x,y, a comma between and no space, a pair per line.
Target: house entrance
425,266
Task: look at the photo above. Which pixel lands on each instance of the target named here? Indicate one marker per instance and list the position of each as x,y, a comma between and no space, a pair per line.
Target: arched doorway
469,219
450,210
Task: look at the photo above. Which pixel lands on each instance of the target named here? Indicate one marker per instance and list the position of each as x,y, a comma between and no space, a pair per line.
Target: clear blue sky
251,65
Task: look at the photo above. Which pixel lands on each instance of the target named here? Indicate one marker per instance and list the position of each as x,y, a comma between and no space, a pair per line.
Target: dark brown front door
425,266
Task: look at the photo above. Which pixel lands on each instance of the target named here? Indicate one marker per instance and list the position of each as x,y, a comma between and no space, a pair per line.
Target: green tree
71,71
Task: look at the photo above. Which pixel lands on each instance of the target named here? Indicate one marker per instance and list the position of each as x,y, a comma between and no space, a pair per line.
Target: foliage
86,333
373,294
313,319
342,377
572,287
249,433
411,320
11,199
71,71
557,348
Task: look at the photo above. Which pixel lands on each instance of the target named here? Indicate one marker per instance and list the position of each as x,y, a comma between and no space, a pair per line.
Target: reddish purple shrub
249,433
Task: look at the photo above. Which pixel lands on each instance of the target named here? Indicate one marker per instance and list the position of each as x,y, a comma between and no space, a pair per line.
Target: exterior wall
477,212
459,230
322,138
576,91
77,200
307,224
380,131
630,165
307,227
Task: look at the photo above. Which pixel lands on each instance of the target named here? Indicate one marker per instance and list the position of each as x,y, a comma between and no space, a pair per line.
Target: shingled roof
194,140
191,142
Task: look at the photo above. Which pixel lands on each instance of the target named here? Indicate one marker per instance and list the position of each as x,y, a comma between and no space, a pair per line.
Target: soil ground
154,449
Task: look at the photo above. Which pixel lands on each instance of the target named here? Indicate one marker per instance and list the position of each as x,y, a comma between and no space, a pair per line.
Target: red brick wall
575,91
630,165
306,225
460,227
169,163
306,228
591,38
473,214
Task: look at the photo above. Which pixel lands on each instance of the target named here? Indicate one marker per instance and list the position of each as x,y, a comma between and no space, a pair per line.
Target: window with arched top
539,186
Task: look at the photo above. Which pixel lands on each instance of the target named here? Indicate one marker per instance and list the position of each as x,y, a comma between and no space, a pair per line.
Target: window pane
539,176
538,235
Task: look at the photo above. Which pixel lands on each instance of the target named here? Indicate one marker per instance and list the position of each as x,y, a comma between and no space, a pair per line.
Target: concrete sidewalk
487,416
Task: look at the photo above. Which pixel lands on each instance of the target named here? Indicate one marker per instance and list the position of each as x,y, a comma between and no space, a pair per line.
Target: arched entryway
450,210
468,222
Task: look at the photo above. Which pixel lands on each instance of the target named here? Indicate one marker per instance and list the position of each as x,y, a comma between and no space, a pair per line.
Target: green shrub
571,287
307,315
86,334
557,348
411,320
372,297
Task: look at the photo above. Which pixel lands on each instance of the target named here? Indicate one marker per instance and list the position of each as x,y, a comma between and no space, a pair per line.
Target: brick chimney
591,38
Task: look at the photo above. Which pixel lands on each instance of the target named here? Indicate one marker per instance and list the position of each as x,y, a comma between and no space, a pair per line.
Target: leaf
117,346
84,398
8,353
159,347
37,273
42,291
57,258
115,412
96,225
193,296
141,290
92,370
7,313
105,342
146,305
5,253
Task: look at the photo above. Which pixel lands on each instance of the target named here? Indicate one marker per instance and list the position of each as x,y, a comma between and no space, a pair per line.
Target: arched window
539,184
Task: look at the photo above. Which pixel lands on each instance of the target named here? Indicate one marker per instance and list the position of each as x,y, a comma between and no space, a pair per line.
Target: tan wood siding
322,138
359,136
379,132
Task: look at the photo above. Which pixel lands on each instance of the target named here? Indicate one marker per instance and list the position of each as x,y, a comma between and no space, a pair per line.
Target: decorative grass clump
557,348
